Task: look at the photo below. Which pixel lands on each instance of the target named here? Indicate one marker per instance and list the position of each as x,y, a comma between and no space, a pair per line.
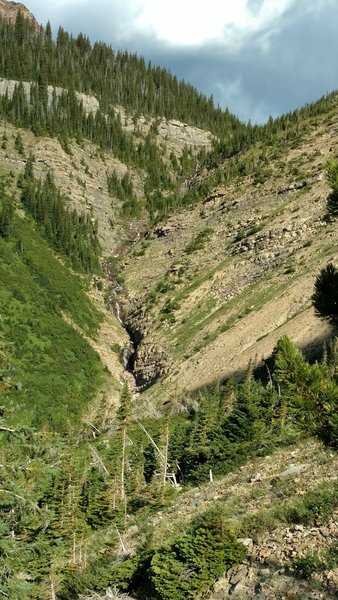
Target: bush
332,204
198,242
305,566
316,506
193,561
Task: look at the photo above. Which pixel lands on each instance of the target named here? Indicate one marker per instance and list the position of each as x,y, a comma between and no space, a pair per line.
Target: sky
256,57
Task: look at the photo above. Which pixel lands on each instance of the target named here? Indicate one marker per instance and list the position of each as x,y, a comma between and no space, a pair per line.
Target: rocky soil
213,309
264,484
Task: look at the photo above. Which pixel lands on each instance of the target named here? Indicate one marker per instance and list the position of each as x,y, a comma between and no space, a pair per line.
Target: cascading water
118,313
128,352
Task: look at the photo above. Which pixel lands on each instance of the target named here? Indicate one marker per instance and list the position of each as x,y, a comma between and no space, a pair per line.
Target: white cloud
187,23
176,22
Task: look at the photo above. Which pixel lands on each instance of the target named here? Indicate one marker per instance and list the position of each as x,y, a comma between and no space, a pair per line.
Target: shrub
193,561
306,565
316,506
198,242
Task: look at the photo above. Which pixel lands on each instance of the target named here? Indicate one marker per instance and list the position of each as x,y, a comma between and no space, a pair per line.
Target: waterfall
125,356
118,313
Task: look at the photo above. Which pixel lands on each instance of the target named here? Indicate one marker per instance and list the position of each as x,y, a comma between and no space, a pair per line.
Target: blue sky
257,57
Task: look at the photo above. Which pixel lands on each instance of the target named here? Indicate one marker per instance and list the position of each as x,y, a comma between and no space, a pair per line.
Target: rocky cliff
9,11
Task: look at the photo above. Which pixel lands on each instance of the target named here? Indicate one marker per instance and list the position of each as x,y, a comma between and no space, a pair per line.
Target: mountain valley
168,391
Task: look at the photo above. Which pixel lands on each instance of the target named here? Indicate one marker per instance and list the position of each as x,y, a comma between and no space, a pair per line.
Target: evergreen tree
18,144
124,415
76,235
6,217
332,179
325,296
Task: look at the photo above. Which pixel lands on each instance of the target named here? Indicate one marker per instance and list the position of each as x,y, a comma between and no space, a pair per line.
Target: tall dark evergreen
332,179
325,296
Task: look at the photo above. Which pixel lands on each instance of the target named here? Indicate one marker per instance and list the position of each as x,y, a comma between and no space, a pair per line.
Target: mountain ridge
9,11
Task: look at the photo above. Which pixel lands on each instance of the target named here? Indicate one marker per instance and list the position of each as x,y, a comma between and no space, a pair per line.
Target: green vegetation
124,79
68,232
117,78
123,189
115,475
199,242
55,370
245,233
308,390
305,566
262,144
190,564
332,179
6,213
232,423
184,567
325,296
75,475
315,507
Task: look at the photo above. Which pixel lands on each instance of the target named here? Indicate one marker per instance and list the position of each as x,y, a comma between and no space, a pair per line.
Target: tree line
115,78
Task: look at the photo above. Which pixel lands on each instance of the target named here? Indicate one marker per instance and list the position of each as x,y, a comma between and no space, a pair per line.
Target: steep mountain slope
82,171
217,284
251,497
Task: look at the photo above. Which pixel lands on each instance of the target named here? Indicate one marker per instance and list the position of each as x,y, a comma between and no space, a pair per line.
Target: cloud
257,57
177,23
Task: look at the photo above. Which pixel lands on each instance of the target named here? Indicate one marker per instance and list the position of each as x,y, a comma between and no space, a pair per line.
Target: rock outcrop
9,11
150,365
90,103
149,362
267,573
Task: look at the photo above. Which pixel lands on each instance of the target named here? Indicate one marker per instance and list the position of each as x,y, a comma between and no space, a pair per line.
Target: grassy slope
55,369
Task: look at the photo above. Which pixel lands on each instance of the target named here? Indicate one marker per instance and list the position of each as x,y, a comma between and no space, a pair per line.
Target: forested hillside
113,77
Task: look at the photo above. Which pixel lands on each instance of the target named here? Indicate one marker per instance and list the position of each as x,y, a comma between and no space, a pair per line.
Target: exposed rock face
179,135
174,134
149,363
9,11
89,103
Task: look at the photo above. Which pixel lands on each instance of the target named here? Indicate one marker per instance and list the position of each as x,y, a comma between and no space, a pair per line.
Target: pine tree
325,296
18,144
124,416
332,179
6,218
